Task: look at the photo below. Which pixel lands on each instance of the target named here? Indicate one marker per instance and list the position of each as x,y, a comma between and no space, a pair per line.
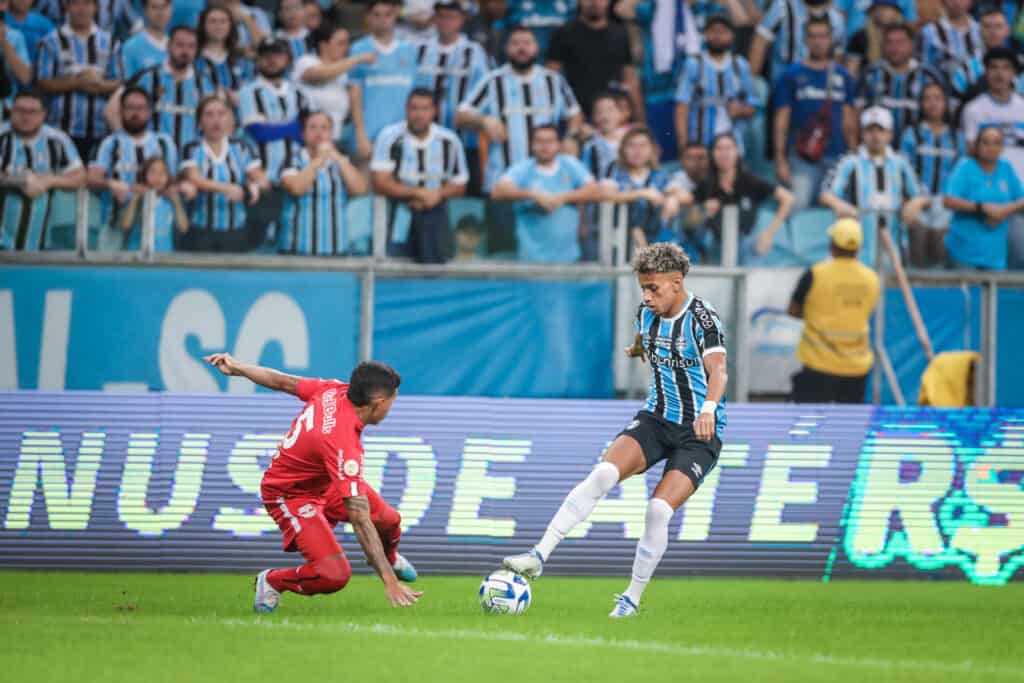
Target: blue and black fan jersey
676,348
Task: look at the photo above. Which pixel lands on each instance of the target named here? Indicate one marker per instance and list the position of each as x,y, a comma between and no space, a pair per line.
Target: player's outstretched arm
358,508
265,377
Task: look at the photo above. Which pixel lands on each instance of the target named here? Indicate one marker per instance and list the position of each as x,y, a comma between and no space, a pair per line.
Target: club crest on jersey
350,468
306,511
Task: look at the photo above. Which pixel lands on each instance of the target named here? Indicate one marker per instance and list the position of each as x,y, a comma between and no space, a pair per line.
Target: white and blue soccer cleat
624,607
404,569
267,598
530,565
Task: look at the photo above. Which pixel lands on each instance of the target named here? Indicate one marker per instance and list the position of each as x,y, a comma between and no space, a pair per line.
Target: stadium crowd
494,129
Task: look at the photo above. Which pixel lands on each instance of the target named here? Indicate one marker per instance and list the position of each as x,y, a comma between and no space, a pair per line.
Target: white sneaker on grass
267,598
530,565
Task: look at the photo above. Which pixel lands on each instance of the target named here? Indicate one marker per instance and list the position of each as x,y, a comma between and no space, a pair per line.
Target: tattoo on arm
359,516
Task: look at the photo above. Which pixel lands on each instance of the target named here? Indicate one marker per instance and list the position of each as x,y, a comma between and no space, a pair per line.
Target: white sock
650,548
578,505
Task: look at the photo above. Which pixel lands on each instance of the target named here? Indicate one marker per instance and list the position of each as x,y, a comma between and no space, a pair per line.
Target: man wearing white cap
835,299
875,184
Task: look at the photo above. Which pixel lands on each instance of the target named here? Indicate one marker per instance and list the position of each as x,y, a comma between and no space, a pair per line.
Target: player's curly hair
663,257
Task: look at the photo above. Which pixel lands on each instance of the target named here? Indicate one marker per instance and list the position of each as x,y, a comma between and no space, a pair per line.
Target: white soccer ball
504,592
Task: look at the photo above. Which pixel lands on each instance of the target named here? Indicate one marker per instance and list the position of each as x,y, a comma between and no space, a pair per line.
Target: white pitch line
591,641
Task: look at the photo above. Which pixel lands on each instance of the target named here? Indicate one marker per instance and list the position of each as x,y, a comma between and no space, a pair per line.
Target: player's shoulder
703,311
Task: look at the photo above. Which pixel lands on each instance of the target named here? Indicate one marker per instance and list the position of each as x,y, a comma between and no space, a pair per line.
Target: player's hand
35,185
122,191
704,426
431,198
224,362
636,351
188,190
364,150
783,172
401,595
764,243
366,58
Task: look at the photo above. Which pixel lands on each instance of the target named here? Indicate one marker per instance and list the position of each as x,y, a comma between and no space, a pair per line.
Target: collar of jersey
153,41
282,33
523,77
725,64
379,47
189,75
549,171
279,90
219,158
425,142
70,32
863,151
682,311
450,48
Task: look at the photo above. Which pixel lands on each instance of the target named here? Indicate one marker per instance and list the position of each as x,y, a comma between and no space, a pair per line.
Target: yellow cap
846,234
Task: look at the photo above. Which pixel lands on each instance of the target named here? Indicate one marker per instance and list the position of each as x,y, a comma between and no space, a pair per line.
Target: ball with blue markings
504,592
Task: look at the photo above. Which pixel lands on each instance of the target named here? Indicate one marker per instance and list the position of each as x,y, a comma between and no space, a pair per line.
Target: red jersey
323,446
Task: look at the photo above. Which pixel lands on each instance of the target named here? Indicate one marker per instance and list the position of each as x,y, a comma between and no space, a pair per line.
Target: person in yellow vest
835,298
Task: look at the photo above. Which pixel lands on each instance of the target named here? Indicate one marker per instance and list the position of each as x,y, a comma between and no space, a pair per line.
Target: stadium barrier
94,480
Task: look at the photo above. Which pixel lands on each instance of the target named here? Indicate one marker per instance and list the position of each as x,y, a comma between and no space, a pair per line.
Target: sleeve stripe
713,349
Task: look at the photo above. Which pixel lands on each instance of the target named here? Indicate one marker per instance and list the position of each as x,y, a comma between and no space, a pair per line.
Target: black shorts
676,444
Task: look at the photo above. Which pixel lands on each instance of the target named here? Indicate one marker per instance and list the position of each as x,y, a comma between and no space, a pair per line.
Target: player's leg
305,529
685,469
631,453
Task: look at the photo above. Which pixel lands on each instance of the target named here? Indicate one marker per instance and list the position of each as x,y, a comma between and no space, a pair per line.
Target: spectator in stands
175,88
148,47
252,23
895,82
932,147
168,210
730,184
318,180
835,299
451,65
17,62
951,40
984,192
227,176
542,17
220,61
967,80
785,29
860,21
670,35
33,26
1001,106
115,169
716,90
380,88
469,235
865,46
601,149
594,55
506,105
696,164
875,185
815,122
416,24
79,77
322,75
419,165
546,189
291,19
487,27
269,108
314,15
34,159
637,182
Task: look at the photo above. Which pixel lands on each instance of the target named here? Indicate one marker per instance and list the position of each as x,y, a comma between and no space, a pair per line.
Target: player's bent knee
659,512
389,517
335,573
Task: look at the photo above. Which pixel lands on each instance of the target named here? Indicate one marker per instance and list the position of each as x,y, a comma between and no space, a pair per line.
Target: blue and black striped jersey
23,221
676,348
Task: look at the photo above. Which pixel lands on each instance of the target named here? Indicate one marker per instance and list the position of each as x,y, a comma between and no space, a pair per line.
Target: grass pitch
85,627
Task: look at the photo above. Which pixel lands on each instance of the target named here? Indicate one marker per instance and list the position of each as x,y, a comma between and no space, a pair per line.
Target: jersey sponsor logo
677,363
703,316
350,468
632,425
306,511
330,406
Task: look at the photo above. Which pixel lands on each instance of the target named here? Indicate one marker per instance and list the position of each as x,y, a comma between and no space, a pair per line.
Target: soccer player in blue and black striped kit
681,424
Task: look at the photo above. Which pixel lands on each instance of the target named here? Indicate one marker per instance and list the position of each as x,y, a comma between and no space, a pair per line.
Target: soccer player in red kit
316,481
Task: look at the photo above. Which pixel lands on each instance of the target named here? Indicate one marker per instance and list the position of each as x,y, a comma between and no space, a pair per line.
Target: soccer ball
504,592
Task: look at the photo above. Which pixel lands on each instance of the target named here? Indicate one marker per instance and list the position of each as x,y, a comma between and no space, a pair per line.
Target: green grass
151,628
